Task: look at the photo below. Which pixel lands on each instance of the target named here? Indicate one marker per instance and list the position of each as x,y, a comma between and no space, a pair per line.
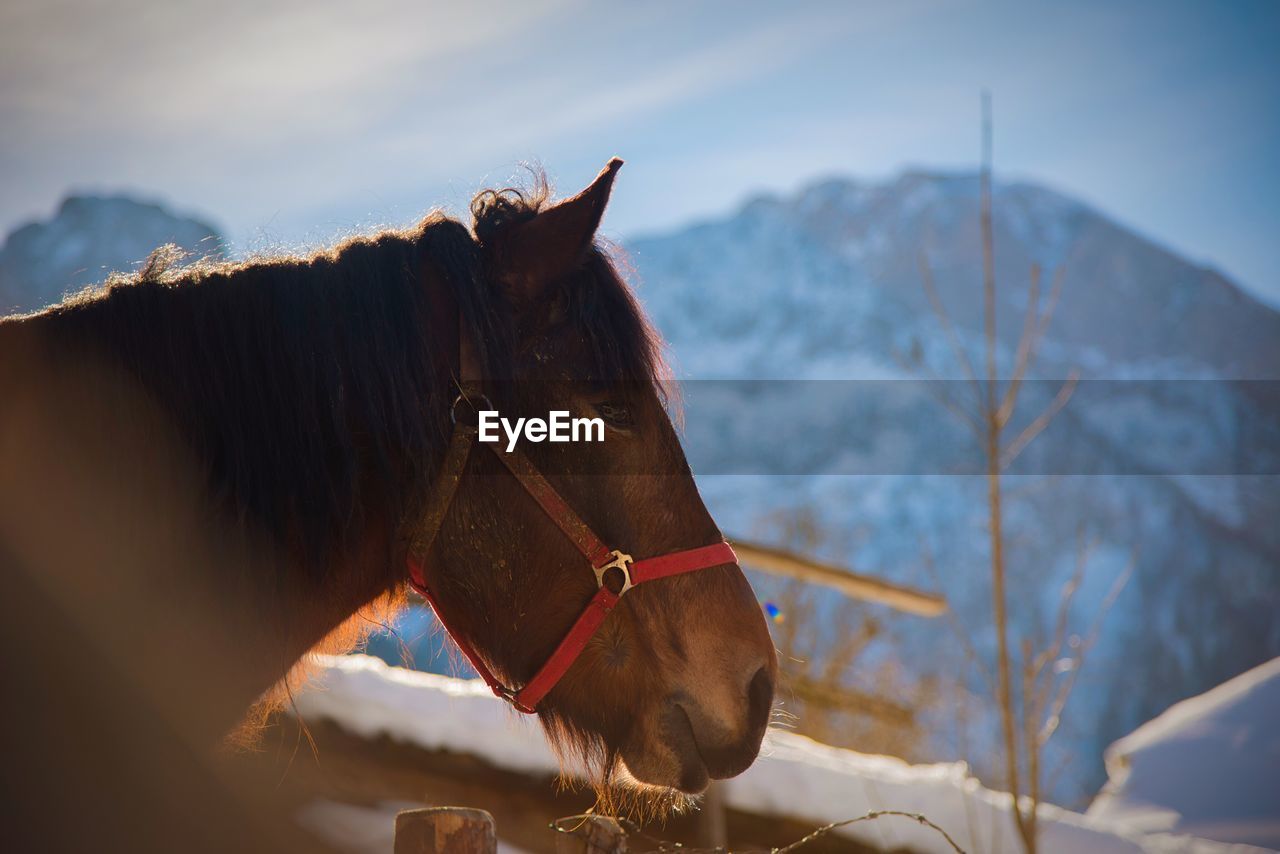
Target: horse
208,472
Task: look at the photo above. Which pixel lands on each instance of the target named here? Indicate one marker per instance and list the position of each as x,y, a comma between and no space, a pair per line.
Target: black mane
314,388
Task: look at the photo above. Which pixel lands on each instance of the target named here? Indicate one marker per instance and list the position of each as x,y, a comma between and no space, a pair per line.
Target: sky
292,123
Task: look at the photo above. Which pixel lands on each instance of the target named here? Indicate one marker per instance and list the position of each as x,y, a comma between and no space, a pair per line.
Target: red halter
602,559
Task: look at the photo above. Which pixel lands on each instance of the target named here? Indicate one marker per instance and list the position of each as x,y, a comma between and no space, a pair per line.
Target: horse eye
616,414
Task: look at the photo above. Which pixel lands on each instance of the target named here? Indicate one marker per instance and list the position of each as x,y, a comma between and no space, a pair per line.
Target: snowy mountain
842,259
87,239
1167,455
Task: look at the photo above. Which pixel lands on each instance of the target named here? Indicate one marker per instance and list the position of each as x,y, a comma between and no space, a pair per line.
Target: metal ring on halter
512,696
621,562
474,400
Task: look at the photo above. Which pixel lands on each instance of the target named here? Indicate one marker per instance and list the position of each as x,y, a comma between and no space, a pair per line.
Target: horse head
676,686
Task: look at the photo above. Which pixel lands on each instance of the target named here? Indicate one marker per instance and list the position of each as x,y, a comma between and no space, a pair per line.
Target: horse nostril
759,700
727,752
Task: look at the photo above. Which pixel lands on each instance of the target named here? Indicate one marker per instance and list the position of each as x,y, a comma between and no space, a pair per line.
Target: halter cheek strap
603,560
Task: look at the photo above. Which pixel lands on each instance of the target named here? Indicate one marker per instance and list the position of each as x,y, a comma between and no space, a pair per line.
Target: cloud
316,102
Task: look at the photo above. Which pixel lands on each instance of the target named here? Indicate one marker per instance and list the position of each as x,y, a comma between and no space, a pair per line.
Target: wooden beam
846,699
851,584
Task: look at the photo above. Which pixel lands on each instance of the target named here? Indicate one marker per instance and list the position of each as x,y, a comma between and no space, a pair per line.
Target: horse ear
553,243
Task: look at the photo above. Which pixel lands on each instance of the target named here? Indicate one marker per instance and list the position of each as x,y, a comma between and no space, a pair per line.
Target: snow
369,698
1209,765
794,776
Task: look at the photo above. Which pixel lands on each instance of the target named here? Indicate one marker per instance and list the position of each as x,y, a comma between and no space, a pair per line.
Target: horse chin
652,800
664,776
655,764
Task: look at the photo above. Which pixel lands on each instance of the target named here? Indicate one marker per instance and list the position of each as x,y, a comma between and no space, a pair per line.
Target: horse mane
314,387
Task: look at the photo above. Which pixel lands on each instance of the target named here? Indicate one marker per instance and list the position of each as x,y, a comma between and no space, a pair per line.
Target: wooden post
445,830
713,829
589,834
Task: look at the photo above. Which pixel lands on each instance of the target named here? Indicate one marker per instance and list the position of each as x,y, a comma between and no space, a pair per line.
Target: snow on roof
1208,766
794,777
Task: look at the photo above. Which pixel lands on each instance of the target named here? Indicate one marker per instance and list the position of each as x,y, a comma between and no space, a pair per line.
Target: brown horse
205,474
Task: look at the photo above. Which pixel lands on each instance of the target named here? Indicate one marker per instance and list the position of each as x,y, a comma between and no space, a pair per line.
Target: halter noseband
604,561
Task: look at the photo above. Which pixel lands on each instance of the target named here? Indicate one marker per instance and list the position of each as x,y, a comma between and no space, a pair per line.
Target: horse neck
114,417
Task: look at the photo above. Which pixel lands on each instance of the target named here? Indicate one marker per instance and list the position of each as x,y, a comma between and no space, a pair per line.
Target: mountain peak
855,248
88,238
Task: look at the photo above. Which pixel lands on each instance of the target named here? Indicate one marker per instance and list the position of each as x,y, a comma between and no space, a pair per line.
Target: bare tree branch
990,412
1014,448
1054,718
1083,552
962,638
944,319
1026,349
1030,748
1022,697
1055,292
936,387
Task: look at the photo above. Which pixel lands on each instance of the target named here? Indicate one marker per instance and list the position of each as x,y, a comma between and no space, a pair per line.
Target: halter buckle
621,562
